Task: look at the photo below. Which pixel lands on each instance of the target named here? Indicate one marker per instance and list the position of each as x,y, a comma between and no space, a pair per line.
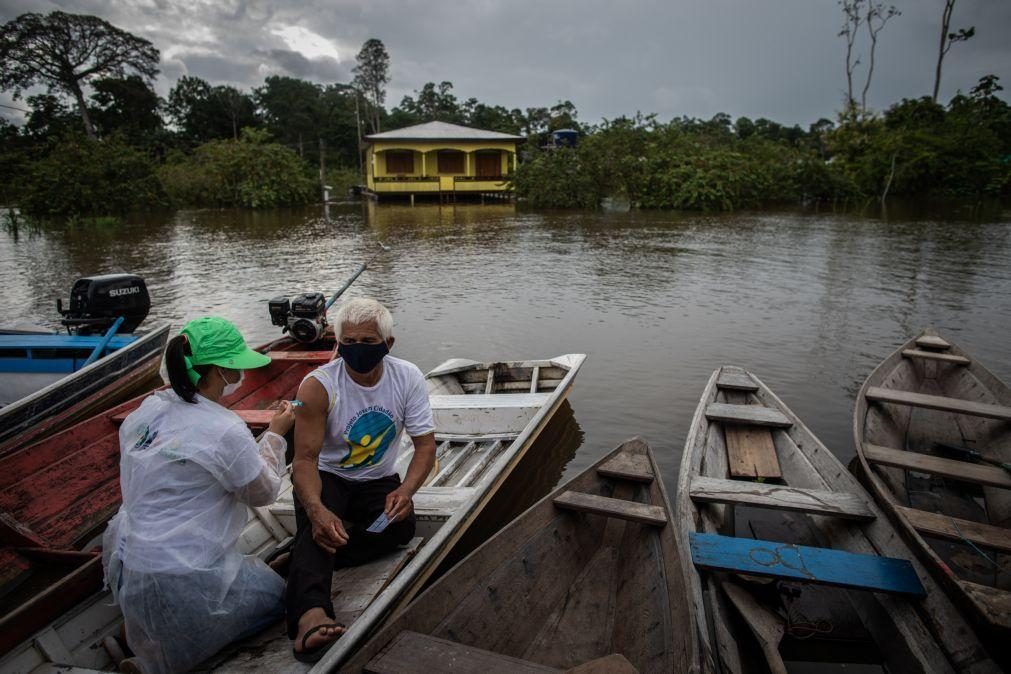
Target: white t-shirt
180,465
364,425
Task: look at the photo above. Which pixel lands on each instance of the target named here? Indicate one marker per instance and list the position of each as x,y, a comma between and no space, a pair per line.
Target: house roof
441,131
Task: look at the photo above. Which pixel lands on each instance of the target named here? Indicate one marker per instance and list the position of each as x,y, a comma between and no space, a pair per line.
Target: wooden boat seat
414,652
736,381
255,419
932,342
934,355
822,566
611,507
946,526
781,497
317,357
625,466
942,403
754,415
951,468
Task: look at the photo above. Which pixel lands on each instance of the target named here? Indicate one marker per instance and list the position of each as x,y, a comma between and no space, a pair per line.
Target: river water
810,302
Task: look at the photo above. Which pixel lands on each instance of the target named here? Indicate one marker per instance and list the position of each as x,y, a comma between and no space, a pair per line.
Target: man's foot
316,632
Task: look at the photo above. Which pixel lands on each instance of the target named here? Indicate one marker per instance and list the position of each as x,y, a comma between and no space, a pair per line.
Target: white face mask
231,388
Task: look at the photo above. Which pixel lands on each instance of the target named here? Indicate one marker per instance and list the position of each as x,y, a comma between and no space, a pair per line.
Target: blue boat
49,380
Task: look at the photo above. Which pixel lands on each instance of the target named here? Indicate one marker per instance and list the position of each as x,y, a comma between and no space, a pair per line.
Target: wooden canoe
57,494
482,432
592,570
793,560
924,423
113,378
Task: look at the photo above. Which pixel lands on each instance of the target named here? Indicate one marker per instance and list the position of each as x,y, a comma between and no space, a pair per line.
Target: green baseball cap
216,341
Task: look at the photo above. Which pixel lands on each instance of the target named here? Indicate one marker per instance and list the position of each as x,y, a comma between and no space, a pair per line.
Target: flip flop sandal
311,655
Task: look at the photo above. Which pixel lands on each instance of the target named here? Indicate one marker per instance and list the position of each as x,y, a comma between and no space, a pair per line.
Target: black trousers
358,504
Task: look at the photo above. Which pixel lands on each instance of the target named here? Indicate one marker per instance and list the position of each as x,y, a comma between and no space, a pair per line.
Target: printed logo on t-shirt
368,435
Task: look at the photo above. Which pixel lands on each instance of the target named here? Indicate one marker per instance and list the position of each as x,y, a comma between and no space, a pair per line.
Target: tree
292,109
127,105
371,76
948,39
203,112
852,18
65,51
877,16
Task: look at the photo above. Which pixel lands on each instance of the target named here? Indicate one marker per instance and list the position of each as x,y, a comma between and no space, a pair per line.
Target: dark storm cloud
781,60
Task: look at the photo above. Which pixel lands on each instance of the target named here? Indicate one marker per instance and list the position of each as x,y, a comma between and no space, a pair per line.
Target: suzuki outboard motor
97,301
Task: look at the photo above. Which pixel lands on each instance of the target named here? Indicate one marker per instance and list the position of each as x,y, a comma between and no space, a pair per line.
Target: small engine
97,301
303,316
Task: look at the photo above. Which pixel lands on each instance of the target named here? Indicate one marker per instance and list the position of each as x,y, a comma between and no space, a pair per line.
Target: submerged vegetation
124,148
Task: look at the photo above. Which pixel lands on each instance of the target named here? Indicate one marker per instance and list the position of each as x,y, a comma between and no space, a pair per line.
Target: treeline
916,148
122,148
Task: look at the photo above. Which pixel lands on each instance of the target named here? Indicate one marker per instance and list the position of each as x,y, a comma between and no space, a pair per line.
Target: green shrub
80,177
251,172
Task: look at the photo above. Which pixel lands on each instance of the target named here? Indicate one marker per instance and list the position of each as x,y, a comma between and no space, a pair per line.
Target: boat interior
936,429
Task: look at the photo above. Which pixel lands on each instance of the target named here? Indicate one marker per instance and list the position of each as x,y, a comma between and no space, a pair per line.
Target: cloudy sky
780,59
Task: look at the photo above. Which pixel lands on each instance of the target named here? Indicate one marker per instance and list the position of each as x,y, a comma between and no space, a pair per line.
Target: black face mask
363,358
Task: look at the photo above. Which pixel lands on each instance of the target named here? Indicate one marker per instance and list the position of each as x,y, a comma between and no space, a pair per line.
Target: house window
400,162
450,161
489,164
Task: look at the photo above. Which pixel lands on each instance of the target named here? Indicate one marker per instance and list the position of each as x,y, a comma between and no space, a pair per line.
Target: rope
971,544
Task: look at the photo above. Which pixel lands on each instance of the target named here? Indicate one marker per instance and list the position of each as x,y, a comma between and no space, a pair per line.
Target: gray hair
361,310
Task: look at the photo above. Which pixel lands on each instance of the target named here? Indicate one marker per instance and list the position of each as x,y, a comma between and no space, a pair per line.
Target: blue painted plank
62,341
799,562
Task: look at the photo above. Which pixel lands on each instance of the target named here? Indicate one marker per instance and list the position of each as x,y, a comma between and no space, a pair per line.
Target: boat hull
112,379
889,435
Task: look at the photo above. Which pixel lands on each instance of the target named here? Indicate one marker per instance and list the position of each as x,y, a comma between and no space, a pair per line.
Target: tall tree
127,105
948,39
852,18
64,51
371,77
202,112
877,16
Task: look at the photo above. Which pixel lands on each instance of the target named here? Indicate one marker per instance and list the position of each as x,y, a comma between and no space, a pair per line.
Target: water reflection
810,301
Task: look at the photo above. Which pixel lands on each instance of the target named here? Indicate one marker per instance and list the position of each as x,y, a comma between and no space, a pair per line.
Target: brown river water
810,302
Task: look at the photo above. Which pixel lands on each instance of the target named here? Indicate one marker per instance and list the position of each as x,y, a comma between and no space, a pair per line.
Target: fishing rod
304,316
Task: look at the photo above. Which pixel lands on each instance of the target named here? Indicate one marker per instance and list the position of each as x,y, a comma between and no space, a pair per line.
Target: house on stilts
440,161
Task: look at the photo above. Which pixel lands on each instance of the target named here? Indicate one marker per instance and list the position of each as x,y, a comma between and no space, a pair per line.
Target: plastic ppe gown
171,558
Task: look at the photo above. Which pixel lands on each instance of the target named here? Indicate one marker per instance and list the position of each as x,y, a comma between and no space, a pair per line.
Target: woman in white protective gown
189,468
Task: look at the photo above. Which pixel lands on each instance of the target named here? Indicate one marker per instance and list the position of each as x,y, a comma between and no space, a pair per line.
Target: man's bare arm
398,501
310,427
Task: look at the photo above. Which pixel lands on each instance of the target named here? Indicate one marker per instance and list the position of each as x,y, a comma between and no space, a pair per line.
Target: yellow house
440,159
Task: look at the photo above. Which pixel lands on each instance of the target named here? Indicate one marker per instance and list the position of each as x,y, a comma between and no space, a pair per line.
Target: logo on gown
368,436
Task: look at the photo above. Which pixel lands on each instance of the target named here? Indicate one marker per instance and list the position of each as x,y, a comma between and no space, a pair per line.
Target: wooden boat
57,494
487,416
591,573
792,559
43,395
930,424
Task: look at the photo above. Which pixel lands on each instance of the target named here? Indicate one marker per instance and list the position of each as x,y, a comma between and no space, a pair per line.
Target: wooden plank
534,376
625,466
932,342
939,403
490,383
309,357
945,526
615,663
421,653
992,602
767,626
755,415
822,566
780,497
442,478
256,419
934,355
958,470
736,381
751,453
612,507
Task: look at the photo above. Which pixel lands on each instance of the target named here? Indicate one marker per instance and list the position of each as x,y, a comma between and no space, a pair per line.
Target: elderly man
347,436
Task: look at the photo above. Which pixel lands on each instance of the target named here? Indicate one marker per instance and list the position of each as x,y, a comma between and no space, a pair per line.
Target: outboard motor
97,301
303,316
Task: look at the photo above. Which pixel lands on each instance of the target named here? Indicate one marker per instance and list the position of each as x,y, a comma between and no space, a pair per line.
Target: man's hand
399,504
327,529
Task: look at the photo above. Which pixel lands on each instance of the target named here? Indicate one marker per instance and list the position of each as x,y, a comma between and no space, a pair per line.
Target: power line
11,107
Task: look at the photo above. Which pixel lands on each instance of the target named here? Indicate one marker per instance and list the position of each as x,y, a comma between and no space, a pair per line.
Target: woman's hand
283,419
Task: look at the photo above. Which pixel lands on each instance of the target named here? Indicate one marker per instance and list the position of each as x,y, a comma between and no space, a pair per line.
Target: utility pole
358,123
322,167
